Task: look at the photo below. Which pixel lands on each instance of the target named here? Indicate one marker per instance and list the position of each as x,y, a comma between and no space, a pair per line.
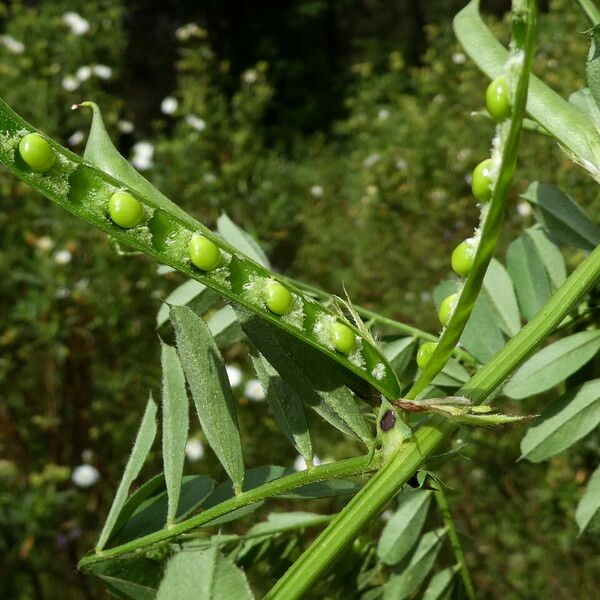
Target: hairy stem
440,498
344,468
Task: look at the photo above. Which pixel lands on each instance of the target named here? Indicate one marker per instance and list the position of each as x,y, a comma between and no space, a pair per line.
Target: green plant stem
440,498
382,487
377,318
343,468
591,10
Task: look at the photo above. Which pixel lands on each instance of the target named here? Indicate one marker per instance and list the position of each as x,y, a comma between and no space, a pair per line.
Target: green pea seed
481,180
424,353
204,253
125,210
278,298
37,152
344,339
462,258
496,99
447,308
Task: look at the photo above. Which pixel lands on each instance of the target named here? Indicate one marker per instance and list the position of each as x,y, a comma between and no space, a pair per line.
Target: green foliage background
340,134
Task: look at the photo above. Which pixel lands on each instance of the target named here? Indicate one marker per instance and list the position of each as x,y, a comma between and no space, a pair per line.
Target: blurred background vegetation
337,132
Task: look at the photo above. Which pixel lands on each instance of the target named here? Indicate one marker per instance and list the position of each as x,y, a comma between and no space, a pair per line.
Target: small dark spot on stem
387,421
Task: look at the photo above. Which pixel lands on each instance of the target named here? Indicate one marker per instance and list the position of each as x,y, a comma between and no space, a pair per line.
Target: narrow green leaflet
402,531
400,354
132,577
190,291
225,327
453,375
588,509
592,67
500,297
572,128
550,254
562,217
207,379
241,240
175,425
141,447
151,515
565,422
584,101
553,364
203,574
528,275
406,583
440,586
312,377
286,405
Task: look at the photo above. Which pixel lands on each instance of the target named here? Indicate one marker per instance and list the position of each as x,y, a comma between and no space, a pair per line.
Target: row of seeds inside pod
128,212
498,105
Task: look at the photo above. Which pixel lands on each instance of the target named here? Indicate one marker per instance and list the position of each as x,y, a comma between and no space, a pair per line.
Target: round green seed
125,210
462,258
482,180
204,253
343,337
278,298
447,308
37,152
496,99
424,353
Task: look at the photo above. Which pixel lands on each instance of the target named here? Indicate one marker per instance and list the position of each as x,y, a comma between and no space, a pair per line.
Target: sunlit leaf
588,509
241,240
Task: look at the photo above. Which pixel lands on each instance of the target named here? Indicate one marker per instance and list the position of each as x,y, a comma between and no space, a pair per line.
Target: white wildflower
62,293
401,165
77,23
458,58
62,257
102,71
316,191
386,515
371,160
85,476
70,83
83,73
250,76
125,126
524,209
142,155
194,449
383,114
76,138
169,105
210,178
234,375
253,390
45,243
12,45
185,32
195,122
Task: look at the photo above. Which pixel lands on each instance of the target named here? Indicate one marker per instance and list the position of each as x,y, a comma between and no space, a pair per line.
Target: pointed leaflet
440,586
528,276
241,240
500,298
563,423
550,254
207,379
592,67
315,379
193,293
129,577
225,327
553,364
588,509
205,574
101,152
584,101
403,529
141,447
562,217
175,421
406,583
285,404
